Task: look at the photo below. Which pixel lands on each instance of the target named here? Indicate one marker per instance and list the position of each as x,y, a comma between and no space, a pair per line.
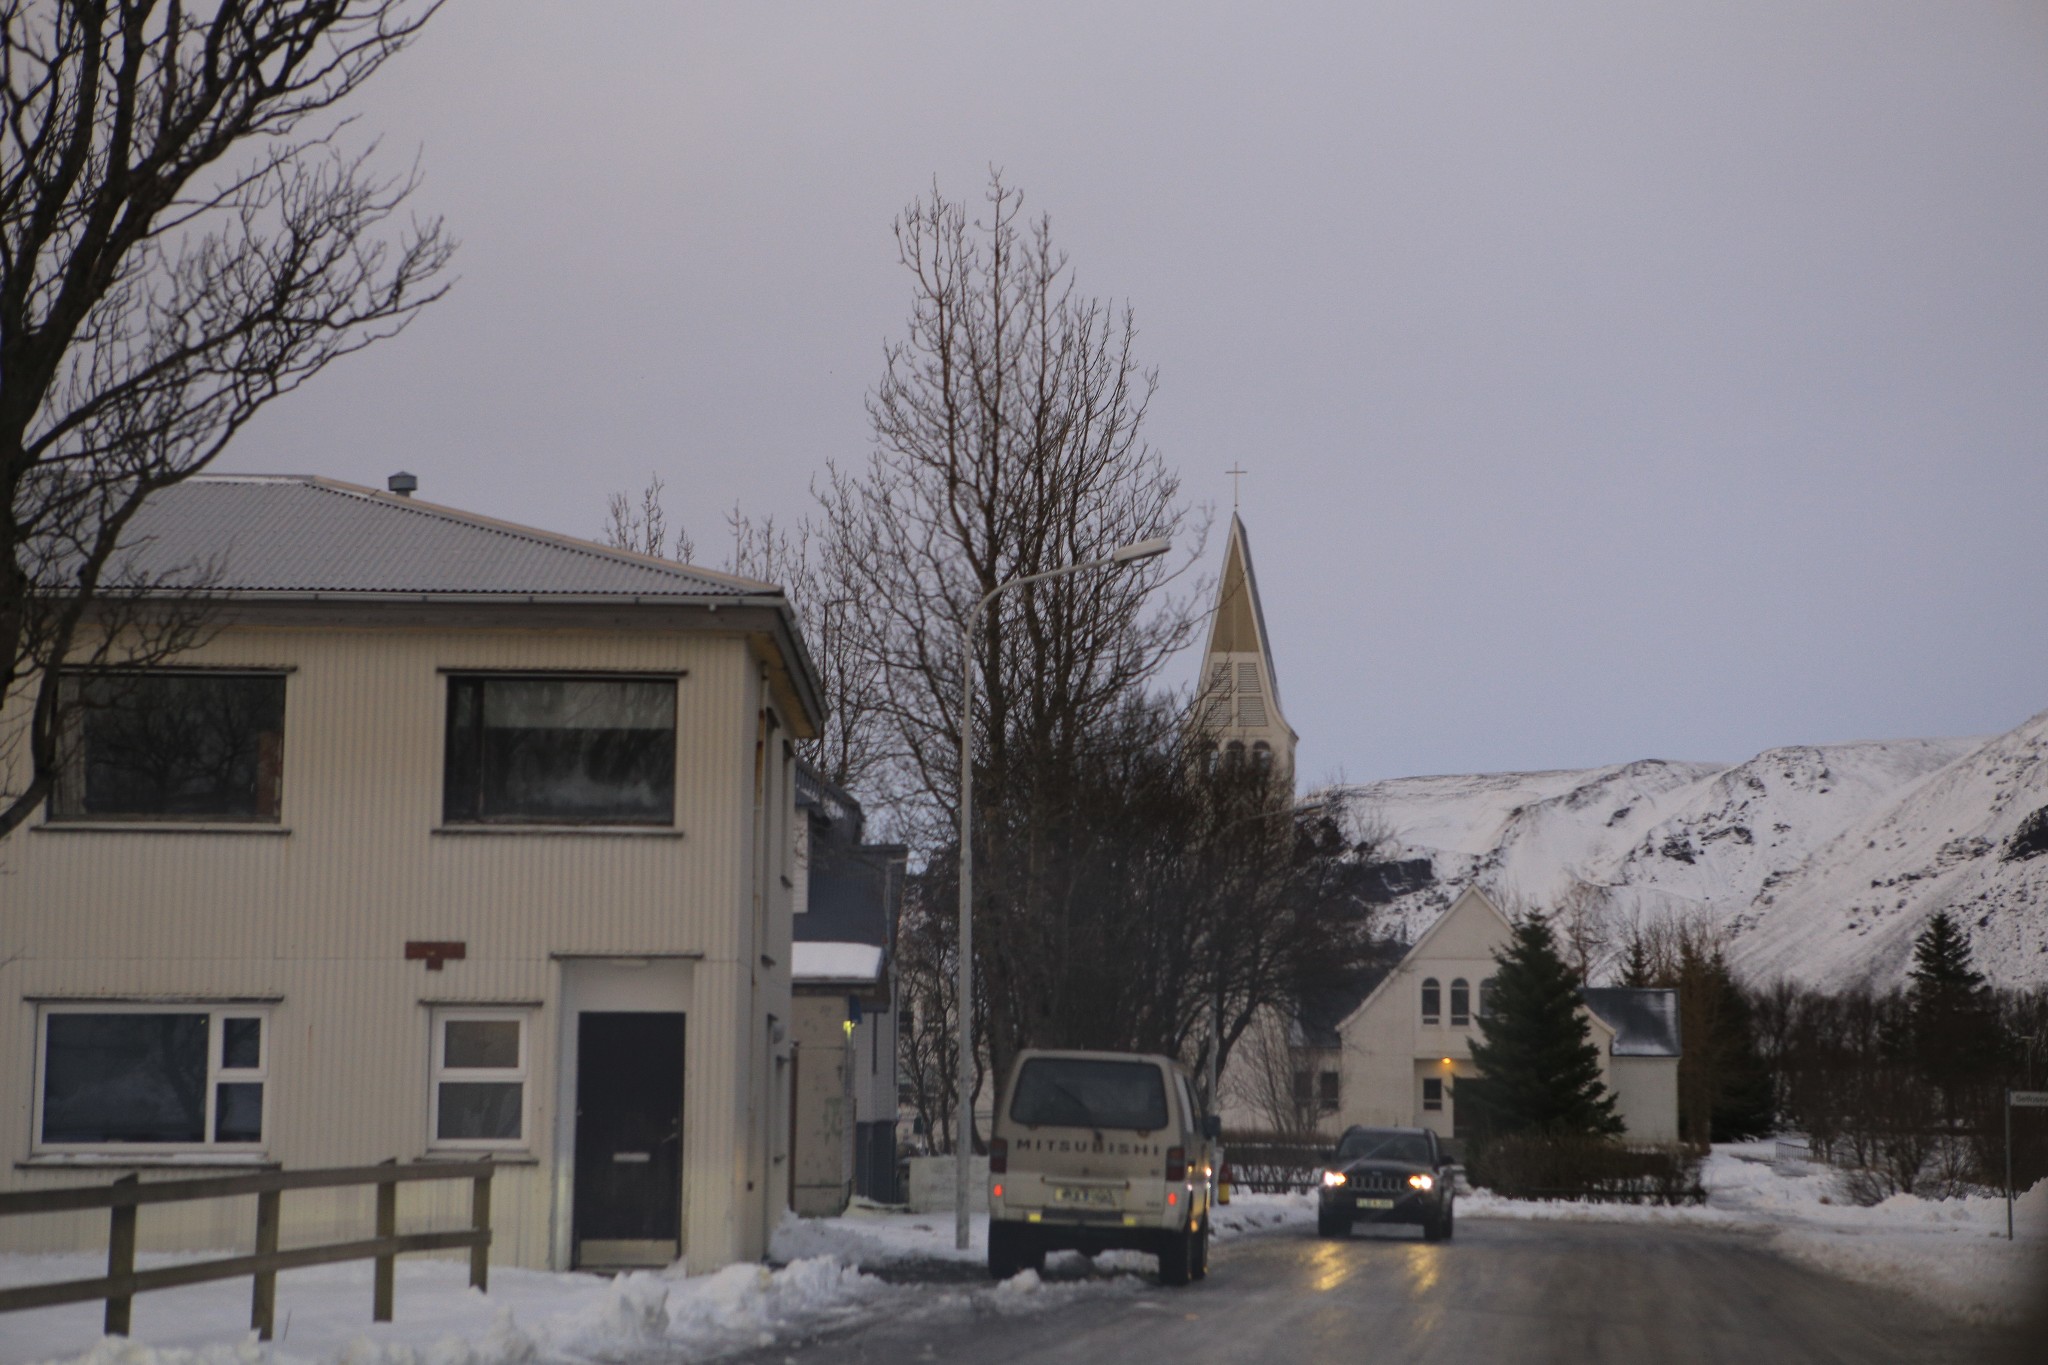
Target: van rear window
1072,1092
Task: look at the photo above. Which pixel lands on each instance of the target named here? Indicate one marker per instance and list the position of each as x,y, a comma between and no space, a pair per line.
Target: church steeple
1239,706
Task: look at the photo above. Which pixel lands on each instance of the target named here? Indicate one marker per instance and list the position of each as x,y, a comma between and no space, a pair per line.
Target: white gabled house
453,838
1408,1043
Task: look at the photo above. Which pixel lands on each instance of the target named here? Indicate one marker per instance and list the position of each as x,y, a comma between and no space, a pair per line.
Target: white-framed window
479,1079
1432,1001
1461,1003
145,1077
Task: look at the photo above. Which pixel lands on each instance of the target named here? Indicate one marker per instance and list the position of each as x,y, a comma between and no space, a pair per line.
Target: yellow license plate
1084,1194
1375,1203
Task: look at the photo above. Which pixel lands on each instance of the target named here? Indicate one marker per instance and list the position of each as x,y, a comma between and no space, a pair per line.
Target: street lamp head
1141,549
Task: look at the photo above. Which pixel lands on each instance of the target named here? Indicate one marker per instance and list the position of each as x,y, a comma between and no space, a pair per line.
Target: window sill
496,1158
159,827
571,831
188,1161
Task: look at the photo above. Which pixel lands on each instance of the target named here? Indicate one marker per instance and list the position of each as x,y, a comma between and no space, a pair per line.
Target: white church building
1396,1057
1404,1049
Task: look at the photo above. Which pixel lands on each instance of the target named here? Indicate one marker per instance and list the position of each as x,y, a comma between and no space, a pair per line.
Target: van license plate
1082,1194
1375,1203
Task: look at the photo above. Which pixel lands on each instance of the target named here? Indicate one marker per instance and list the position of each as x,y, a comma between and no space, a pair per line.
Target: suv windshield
1072,1092
1367,1144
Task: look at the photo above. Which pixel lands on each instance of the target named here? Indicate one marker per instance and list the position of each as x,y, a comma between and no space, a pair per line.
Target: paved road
1501,1292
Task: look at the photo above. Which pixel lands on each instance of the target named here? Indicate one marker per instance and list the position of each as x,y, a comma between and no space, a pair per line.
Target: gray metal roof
292,534
1644,1020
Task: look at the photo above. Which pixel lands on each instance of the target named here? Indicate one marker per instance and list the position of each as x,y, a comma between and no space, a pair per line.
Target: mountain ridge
1820,863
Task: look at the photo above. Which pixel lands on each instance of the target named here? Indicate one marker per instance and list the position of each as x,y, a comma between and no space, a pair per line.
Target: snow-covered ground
1952,1255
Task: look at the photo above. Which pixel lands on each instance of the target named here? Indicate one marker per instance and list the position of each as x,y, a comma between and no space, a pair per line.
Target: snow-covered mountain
1823,863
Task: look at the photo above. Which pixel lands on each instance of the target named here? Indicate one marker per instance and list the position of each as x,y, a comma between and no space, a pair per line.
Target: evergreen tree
1538,1068
1637,970
1955,1040
1744,1102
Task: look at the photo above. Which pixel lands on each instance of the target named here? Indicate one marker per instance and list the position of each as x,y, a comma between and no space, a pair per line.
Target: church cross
1236,482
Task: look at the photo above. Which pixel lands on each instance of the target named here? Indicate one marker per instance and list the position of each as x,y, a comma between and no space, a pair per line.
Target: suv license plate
1083,1194
1375,1203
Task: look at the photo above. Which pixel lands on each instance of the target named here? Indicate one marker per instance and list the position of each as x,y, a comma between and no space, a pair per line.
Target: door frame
605,985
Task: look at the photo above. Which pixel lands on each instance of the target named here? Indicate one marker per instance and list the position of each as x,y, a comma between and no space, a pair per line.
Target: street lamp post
963,1136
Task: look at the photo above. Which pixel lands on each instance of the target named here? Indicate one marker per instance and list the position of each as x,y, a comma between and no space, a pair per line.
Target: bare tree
1007,441
1583,922
182,240
642,527
812,570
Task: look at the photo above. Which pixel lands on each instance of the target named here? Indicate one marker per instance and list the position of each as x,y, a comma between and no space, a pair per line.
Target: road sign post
2016,1099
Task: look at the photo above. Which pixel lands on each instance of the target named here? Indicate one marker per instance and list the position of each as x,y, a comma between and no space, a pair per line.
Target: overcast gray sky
1617,380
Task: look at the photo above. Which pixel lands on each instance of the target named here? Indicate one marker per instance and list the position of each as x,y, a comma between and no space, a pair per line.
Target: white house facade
453,838
1407,1045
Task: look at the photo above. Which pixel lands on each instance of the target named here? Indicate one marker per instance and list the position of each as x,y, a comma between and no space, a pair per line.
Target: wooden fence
126,1196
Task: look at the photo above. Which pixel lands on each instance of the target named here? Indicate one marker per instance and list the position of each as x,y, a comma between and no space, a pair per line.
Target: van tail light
998,1156
1176,1163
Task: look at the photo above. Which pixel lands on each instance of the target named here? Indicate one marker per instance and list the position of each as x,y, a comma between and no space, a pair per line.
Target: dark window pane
1431,999
481,1042
241,1044
1461,1001
180,745
561,749
238,1112
125,1078
476,1110
1072,1093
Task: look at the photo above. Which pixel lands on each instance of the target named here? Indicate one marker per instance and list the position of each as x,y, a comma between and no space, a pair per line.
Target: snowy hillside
1821,862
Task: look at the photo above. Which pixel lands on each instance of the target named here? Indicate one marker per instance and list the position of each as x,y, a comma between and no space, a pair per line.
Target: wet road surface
1501,1292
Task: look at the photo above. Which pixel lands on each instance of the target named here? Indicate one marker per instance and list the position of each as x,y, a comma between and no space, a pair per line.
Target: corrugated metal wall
318,917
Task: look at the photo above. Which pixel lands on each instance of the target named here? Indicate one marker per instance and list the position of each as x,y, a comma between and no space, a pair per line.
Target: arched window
1461,1002
1262,754
1486,997
1432,1000
1233,753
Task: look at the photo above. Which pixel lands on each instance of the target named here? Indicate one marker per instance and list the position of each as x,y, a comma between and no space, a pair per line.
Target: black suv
1387,1175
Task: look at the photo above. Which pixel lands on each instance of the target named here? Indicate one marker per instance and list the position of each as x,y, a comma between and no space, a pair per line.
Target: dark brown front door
629,1138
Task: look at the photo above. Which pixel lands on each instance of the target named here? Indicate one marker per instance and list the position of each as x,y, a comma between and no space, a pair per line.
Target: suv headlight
1332,1179
1422,1182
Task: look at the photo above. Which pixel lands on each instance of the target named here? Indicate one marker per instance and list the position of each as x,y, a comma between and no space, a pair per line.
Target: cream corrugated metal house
1409,1042
455,837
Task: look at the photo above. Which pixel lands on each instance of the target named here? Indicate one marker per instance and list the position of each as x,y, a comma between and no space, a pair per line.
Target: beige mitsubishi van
1095,1151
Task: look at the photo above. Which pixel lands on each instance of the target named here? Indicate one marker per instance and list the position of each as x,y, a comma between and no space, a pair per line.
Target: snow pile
1822,862
1951,1253
323,1317
874,1235
1263,1213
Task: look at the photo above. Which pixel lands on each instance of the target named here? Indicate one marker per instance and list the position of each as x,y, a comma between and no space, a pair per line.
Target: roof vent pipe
402,484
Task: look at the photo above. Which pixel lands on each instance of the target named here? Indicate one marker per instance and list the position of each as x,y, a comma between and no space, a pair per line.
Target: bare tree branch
182,241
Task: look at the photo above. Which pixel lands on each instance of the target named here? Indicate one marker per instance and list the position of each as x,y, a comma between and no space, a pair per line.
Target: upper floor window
172,745
561,750
1262,754
1432,1000
152,1075
1461,1002
1486,997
